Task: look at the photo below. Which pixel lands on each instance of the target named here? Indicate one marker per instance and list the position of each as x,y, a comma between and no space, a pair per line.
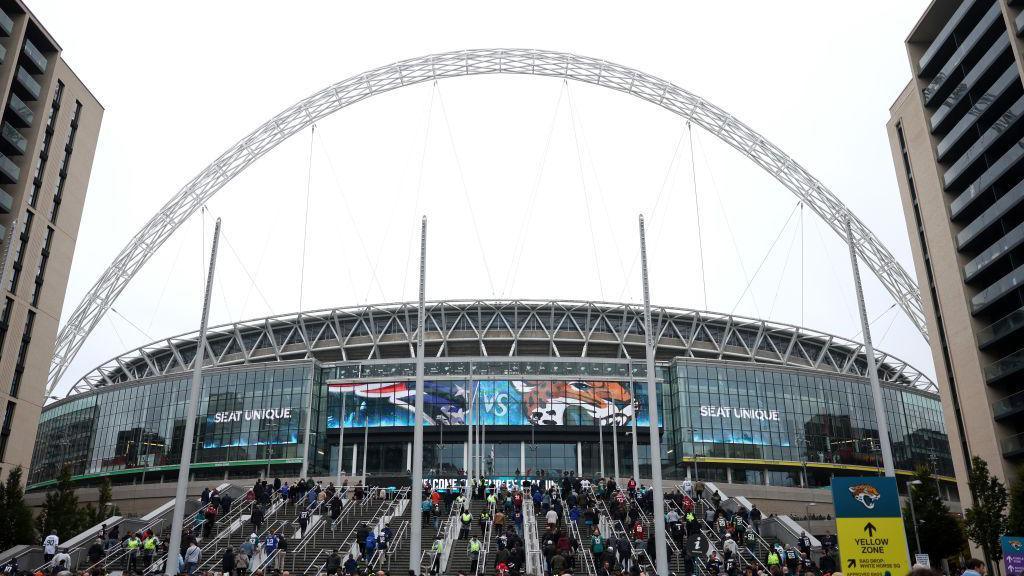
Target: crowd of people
566,507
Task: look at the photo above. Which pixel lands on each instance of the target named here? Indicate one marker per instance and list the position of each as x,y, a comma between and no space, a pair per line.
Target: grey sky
183,81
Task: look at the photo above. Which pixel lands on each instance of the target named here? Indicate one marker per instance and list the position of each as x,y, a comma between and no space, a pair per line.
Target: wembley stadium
743,401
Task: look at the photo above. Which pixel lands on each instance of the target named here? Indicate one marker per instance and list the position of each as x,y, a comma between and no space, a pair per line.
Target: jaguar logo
866,494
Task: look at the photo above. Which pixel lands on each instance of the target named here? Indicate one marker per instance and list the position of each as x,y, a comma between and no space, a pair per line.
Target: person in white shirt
688,487
50,546
62,560
552,517
193,556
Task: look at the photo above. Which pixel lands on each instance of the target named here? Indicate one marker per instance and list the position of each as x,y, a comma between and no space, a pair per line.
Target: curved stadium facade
743,400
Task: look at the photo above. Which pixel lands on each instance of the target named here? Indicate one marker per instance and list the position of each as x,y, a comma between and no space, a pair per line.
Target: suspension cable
520,245
132,324
728,223
654,211
586,195
349,212
597,183
167,281
465,190
305,221
766,255
785,267
419,189
696,202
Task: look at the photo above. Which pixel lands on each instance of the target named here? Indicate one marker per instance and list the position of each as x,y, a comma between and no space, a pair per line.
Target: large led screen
495,403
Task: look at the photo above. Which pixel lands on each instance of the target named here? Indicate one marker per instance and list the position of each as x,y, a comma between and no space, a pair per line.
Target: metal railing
485,546
534,558
453,527
380,554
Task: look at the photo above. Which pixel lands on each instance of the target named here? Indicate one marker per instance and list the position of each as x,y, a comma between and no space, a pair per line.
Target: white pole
600,443
415,543
181,493
636,410
653,414
366,444
469,437
615,447
869,352
341,441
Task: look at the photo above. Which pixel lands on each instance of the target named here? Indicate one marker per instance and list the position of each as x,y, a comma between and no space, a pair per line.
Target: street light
913,516
807,512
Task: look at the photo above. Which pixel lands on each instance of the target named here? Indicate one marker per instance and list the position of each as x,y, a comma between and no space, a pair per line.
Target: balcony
34,57
1012,405
6,24
6,204
1004,367
22,116
1013,446
26,86
9,171
1005,326
12,142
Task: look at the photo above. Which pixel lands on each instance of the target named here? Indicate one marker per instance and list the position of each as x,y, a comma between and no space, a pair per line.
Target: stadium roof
503,328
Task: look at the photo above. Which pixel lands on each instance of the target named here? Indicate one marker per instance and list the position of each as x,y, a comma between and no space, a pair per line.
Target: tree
986,520
103,509
940,531
60,511
1015,521
15,517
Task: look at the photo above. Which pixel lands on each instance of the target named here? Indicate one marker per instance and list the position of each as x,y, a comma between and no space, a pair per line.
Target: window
58,190
19,366
41,268
44,152
19,254
5,430
5,320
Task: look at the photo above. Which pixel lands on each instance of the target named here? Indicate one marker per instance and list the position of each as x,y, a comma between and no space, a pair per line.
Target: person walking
241,563
133,544
149,546
227,561
50,544
474,554
282,550
303,521
193,556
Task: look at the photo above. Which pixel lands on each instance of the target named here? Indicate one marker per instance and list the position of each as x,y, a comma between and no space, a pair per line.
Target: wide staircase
459,560
309,554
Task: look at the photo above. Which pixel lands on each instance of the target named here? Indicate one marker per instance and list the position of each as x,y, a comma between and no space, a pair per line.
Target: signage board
1013,554
872,541
923,560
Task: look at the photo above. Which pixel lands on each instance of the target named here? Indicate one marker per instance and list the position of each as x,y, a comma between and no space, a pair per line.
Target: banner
1013,554
872,541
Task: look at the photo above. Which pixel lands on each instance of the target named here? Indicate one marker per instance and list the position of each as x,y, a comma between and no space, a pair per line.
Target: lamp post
341,440
807,512
913,516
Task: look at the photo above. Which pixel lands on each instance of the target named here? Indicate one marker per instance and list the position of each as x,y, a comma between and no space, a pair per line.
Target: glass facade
245,415
726,421
776,414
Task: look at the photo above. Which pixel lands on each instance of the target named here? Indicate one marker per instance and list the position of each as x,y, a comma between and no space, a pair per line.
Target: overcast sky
531,185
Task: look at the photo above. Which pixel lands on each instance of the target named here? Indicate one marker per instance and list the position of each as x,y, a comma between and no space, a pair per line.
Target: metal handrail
319,570
485,546
581,552
453,526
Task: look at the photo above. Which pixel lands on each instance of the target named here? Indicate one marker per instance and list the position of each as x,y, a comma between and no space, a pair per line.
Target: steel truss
302,114
503,329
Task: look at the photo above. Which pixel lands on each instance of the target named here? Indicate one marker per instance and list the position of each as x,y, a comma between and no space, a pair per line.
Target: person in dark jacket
228,561
96,551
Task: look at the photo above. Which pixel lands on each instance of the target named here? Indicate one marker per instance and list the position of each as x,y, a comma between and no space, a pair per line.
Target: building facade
957,142
552,384
48,132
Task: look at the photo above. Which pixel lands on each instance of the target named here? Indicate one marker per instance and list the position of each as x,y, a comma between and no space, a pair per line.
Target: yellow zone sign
872,546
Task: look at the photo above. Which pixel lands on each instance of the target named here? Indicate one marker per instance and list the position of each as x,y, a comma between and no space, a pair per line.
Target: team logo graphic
866,494
545,402
1016,545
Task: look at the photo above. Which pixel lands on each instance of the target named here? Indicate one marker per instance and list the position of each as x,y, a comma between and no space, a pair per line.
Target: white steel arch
302,114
